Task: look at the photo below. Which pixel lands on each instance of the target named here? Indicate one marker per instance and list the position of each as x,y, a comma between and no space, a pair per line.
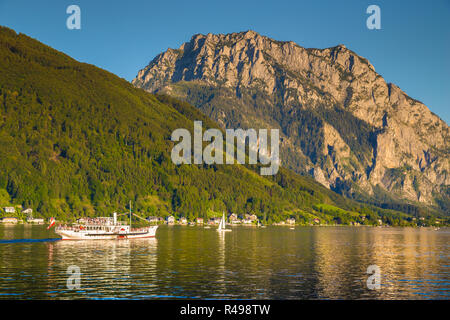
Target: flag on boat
52,223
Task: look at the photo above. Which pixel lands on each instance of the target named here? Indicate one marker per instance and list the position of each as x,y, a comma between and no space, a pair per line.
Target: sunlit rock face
339,120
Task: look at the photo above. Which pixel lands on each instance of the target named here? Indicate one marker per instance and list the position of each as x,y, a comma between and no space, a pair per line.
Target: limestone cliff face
339,120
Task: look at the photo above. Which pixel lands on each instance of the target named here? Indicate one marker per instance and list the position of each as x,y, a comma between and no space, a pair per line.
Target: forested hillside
77,141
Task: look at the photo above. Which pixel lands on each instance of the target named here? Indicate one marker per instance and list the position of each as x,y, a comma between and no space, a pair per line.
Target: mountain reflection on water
248,263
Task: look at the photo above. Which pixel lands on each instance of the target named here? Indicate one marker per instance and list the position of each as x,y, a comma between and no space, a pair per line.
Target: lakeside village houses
233,219
183,220
154,219
9,210
11,219
170,219
246,219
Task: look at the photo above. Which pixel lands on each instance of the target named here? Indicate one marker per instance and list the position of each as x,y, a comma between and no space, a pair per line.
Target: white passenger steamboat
104,228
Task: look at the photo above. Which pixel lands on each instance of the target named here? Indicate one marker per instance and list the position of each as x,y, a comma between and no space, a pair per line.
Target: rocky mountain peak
335,112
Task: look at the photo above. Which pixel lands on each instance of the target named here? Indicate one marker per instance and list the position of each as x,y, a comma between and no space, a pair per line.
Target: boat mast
130,215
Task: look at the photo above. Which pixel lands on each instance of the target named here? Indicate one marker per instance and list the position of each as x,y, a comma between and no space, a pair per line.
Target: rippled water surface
247,263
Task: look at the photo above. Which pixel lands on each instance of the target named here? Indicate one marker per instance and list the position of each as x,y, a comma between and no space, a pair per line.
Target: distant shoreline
248,226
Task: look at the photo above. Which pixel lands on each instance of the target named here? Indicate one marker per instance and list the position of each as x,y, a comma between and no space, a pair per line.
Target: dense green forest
78,141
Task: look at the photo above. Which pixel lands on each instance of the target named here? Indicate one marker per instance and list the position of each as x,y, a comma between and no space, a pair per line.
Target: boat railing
77,226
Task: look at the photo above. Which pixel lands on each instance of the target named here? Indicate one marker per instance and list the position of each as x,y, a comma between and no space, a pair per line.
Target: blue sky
412,49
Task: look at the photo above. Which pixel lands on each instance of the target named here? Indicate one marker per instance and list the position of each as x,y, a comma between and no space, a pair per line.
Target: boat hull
87,235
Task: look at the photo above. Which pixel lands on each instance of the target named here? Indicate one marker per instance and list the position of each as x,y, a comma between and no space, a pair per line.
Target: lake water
247,263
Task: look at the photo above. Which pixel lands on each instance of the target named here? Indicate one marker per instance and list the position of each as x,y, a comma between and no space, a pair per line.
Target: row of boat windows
96,228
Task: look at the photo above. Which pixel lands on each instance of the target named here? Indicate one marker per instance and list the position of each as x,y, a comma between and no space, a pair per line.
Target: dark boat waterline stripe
29,240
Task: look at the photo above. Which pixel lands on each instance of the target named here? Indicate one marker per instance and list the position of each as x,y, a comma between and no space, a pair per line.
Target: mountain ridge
339,120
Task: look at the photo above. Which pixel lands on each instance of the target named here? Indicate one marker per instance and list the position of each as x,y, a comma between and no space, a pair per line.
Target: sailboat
222,224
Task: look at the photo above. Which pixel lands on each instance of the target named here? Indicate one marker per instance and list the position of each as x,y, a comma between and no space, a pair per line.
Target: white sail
222,224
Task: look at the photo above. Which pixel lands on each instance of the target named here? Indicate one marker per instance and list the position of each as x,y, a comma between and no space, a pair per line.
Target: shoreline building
9,220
